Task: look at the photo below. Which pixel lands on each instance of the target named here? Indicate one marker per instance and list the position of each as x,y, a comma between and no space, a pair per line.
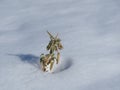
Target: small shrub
54,46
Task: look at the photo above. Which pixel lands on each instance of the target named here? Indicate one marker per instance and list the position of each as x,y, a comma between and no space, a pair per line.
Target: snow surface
90,33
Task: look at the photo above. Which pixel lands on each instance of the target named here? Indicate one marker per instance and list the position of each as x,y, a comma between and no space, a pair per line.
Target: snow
90,34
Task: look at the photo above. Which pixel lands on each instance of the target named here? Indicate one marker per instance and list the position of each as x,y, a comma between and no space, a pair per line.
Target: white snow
90,33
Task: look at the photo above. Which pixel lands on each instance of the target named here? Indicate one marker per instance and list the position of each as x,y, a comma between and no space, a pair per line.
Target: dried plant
47,61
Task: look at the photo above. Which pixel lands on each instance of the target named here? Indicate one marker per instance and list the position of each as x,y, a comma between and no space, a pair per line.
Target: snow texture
90,33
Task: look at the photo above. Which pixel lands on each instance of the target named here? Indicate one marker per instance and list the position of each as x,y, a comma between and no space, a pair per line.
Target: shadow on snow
28,58
65,65
34,60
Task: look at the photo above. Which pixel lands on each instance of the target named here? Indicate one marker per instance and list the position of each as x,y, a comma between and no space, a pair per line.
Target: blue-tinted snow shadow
28,58
34,60
65,65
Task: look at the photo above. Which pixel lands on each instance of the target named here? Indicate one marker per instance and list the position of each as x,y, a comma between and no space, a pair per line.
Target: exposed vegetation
54,46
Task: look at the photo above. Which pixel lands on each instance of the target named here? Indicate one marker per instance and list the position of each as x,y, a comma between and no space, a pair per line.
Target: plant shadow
28,58
34,60
65,65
